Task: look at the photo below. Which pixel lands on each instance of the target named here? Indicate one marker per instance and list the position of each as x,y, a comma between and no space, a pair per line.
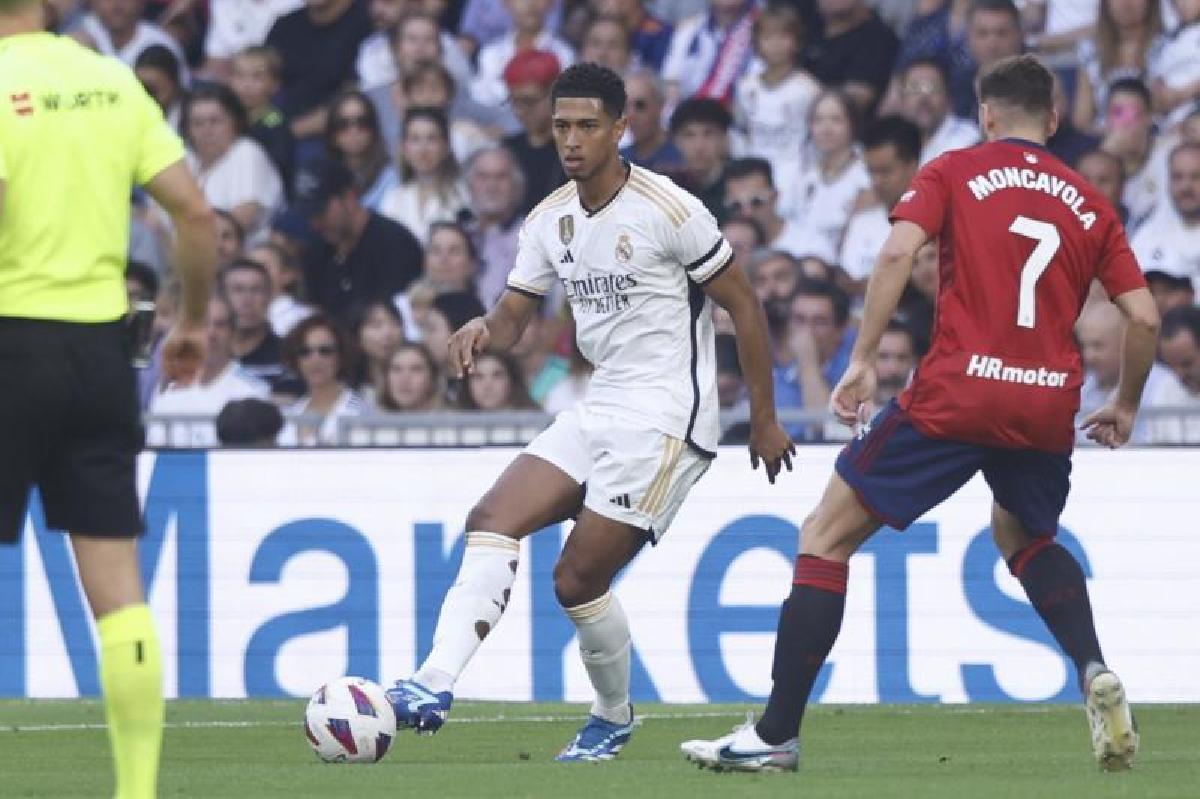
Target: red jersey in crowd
1020,237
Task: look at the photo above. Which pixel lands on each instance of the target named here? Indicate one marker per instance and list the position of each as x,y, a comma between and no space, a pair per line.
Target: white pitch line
178,725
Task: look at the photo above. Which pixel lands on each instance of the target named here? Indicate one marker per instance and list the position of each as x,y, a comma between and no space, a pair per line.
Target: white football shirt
771,122
632,271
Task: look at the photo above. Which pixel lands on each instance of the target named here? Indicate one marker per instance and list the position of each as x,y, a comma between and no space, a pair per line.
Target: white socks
604,644
471,608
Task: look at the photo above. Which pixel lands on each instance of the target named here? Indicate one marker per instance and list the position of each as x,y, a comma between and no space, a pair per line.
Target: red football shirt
1020,237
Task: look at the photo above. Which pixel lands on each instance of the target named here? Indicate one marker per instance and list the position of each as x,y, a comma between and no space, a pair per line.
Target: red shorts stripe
1022,558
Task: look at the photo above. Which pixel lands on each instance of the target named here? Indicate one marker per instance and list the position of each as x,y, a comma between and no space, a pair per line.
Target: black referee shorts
70,425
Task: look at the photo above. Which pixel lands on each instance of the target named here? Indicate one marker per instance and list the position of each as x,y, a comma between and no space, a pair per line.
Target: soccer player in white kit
639,259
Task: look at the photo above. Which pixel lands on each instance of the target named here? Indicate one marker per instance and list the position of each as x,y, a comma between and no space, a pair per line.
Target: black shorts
70,425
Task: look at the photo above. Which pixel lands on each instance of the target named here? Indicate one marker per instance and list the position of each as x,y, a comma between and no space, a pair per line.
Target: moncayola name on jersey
1011,177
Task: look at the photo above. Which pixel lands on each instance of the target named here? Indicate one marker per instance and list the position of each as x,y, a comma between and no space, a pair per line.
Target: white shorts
632,474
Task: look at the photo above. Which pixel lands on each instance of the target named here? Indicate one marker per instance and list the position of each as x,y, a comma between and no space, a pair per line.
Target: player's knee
575,585
819,537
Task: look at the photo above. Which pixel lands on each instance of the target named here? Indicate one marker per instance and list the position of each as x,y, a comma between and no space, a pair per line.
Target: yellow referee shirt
77,132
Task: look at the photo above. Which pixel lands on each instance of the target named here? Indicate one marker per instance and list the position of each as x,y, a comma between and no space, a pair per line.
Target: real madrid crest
624,248
566,229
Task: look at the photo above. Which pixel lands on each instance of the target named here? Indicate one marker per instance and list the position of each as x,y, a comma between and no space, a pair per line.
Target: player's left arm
768,440
892,270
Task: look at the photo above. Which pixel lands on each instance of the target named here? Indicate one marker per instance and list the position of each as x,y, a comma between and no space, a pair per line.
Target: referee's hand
183,354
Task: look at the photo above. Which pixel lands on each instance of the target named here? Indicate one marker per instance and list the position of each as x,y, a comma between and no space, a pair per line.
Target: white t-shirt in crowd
1063,16
403,204
233,383
244,174
488,88
1177,64
953,134
1164,243
285,312
801,241
299,434
865,235
771,122
1163,390
147,34
631,271
234,25
825,206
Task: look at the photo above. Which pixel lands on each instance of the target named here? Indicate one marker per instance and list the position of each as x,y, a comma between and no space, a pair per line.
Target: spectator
318,45
378,330
750,191
247,286
731,388
854,51
1055,26
447,312
925,100
412,382
894,362
651,36
745,237
938,31
830,186
1169,241
434,326
486,21
256,78
231,238
285,311
221,380
354,138
249,423
376,62
321,354
1106,173
141,283
710,52
819,341
232,169
993,33
429,190
1179,346
650,146
495,384
117,28
891,148
918,301
1101,331
607,42
770,110
1068,142
775,276
529,76
496,188
571,389
530,33
450,258
700,129
235,26
541,366
159,71
1126,32
362,255
1129,135
1174,72
430,85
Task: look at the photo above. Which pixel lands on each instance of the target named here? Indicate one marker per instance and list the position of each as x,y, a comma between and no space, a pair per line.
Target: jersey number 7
1048,241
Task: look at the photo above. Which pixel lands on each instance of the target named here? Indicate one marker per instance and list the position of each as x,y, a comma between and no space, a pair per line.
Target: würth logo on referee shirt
22,103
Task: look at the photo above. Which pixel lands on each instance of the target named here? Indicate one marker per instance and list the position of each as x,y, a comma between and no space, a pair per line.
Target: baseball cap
318,182
532,66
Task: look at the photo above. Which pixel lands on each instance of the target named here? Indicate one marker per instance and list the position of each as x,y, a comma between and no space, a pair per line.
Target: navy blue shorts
899,474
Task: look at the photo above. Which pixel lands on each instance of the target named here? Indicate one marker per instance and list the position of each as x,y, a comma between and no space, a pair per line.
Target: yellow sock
131,677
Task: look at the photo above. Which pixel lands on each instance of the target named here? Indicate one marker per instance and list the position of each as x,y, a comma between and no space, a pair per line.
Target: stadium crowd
372,162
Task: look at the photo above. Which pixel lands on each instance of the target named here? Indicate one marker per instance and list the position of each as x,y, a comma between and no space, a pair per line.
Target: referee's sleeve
158,146
701,248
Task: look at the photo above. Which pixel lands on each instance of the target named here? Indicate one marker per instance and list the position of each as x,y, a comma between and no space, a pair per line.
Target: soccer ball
349,720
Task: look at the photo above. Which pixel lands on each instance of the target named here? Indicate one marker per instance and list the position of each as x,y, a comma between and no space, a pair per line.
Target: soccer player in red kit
1020,238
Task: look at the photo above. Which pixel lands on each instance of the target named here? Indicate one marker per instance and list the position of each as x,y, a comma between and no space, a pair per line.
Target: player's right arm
498,330
1112,424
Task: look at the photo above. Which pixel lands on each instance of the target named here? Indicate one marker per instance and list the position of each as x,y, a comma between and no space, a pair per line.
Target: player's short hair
268,55
837,297
243,264
746,167
1007,7
158,57
1019,81
938,65
1185,317
591,80
898,131
704,110
1131,86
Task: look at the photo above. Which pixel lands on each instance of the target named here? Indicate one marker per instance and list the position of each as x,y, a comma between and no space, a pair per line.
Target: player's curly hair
592,80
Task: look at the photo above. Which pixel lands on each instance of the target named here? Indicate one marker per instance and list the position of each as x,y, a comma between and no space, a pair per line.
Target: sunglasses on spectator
325,351
755,203
360,122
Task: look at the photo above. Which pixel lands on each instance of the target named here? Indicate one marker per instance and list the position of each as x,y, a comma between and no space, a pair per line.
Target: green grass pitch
257,749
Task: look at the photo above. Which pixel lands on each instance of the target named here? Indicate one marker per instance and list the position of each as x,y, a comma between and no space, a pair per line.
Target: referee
77,132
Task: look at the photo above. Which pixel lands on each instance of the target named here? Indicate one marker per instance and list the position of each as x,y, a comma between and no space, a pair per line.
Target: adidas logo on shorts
621,500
